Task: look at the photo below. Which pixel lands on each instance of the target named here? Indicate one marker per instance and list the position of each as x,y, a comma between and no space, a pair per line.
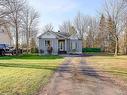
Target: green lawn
116,66
24,75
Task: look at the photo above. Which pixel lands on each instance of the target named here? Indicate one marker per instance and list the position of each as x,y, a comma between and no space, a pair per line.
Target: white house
60,42
5,37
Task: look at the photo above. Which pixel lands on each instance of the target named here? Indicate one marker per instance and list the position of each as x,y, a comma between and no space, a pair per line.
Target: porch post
66,45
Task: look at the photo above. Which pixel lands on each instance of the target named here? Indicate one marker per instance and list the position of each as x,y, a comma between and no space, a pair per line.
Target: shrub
91,49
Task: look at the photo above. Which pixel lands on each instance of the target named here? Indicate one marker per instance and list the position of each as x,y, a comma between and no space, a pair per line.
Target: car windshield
2,45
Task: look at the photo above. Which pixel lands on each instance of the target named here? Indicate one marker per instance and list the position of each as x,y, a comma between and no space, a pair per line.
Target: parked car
6,49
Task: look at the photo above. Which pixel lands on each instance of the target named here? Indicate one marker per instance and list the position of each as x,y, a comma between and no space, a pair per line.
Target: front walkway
76,77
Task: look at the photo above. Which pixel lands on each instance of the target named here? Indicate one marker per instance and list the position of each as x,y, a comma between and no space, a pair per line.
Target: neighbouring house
5,37
59,43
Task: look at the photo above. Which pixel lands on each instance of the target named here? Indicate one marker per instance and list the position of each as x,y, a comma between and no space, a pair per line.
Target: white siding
75,45
5,39
54,44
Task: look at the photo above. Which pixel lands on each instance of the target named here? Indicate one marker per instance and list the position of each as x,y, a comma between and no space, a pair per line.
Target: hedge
91,49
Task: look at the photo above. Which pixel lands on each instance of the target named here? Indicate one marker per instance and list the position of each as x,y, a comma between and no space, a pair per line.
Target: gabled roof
61,35
54,33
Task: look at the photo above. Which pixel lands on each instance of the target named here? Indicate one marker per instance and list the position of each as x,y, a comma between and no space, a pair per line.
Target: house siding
77,47
5,39
72,44
54,44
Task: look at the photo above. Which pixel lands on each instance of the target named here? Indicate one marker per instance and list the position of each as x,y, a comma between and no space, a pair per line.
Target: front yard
116,66
24,75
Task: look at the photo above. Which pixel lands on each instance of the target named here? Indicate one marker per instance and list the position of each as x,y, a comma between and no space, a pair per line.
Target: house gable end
48,35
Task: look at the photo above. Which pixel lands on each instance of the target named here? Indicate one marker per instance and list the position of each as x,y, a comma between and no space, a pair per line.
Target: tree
125,35
81,24
29,24
113,41
67,27
48,27
92,28
14,8
102,34
114,10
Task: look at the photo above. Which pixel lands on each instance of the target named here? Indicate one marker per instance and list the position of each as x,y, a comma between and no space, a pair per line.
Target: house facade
5,37
60,43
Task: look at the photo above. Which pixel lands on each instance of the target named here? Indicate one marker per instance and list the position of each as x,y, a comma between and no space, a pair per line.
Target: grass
25,74
31,57
116,66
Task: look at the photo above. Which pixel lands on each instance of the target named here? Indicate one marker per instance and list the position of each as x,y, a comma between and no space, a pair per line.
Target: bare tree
80,24
114,10
125,34
92,34
48,27
14,8
29,24
65,26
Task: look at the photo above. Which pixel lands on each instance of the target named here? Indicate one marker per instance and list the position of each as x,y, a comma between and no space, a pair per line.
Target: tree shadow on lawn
31,57
87,70
53,68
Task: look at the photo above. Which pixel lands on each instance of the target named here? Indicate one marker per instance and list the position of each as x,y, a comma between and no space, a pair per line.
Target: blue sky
57,11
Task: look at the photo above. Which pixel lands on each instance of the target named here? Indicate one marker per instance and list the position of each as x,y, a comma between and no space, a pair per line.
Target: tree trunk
17,46
116,47
27,51
125,42
125,51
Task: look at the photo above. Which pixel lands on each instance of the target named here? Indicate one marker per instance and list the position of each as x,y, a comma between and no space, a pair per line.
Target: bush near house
91,49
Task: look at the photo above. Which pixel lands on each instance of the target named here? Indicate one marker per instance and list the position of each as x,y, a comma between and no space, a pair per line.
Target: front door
61,45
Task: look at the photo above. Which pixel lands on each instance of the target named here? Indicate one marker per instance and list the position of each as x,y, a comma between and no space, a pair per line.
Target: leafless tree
92,33
29,24
48,27
114,10
14,8
65,26
125,34
81,24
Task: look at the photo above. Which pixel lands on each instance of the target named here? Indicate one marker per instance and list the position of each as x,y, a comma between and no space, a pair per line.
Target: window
73,45
76,45
47,42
